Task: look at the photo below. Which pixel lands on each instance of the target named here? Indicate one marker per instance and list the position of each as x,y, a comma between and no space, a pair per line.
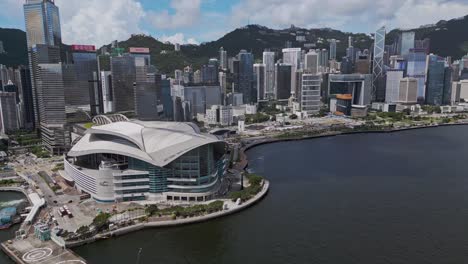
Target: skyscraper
83,93
259,75
333,49
311,62
435,73
378,89
246,76
51,101
310,93
283,81
123,81
223,61
8,112
407,42
42,22
393,85
408,93
269,62
292,56
416,68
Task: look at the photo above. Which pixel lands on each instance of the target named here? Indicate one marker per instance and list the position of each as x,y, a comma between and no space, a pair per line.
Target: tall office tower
346,66
40,54
407,42
424,44
223,60
362,65
408,93
143,66
51,101
351,54
167,100
393,85
283,81
42,21
378,89
447,94
188,74
8,113
269,62
416,68
311,62
123,80
27,100
148,95
310,93
223,83
106,86
259,77
200,98
350,41
245,86
84,93
435,79
292,56
333,49
324,60
209,74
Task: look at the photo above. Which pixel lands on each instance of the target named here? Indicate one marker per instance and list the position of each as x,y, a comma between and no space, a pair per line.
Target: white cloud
362,15
186,13
99,22
179,38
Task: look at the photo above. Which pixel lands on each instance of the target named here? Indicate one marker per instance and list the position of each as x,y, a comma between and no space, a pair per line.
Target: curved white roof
157,143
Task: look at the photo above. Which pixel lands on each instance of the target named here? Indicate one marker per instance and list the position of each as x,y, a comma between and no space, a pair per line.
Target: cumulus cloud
186,13
363,15
179,38
99,22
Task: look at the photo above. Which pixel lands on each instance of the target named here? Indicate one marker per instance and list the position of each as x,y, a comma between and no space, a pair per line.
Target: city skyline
183,21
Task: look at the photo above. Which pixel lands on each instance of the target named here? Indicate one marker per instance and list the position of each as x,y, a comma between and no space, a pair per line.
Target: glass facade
435,80
42,21
416,68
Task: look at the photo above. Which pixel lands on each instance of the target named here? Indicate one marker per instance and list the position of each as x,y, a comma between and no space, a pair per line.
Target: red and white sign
83,48
139,50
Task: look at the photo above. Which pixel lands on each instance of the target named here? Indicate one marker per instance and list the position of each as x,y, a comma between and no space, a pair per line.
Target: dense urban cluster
62,87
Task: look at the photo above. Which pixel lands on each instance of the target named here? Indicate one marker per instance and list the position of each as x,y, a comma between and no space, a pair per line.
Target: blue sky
194,21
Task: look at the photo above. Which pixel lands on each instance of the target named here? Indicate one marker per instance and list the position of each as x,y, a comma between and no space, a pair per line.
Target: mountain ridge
448,38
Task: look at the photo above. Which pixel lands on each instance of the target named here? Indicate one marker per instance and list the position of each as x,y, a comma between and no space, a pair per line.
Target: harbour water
365,198
8,199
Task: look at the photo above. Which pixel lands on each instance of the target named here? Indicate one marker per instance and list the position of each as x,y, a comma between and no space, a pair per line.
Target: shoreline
172,223
243,163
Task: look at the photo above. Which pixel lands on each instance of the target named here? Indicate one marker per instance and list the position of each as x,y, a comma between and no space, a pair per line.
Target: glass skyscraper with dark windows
246,61
378,85
435,80
416,68
42,21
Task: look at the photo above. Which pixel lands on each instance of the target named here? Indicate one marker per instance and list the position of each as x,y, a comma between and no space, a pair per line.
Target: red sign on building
139,50
83,48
